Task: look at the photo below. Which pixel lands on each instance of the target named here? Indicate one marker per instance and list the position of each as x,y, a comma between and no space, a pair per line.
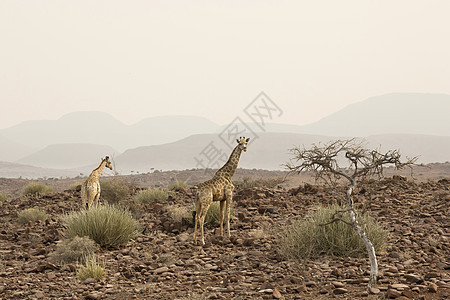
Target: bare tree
324,161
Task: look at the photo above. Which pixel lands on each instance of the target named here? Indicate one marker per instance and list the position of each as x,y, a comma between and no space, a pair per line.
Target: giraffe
90,189
219,188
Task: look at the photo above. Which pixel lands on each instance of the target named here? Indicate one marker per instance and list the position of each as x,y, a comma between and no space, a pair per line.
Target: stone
432,287
161,270
340,291
310,284
392,269
393,293
276,294
89,280
337,284
94,296
374,291
399,286
39,295
413,278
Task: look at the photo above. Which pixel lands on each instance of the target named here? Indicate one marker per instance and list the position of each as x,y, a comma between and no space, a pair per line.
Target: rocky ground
163,263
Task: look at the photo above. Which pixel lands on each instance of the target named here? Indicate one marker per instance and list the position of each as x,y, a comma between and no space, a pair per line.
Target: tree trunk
363,236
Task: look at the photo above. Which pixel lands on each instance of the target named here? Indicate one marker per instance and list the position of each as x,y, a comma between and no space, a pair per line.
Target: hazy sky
136,59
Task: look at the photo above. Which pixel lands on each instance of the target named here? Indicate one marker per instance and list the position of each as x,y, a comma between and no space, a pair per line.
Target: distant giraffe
90,189
219,188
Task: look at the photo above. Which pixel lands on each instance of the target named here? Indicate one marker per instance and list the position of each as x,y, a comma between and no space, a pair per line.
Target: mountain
269,151
405,113
14,170
68,156
11,150
103,129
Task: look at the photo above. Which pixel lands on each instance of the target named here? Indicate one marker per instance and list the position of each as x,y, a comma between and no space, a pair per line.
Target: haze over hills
269,151
103,129
417,124
406,113
15,170
12,150
68,156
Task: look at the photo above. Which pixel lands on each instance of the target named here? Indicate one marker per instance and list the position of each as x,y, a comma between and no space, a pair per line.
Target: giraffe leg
229,198
202,223
202,217
96,199
222,211
197,217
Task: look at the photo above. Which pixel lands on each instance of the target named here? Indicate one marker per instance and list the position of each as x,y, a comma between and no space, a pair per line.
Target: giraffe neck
96,173
230,166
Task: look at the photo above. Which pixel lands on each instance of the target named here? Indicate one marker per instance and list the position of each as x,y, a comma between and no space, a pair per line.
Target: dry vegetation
150,255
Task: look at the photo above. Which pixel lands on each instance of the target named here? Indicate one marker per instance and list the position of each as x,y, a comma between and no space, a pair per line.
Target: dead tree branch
324,162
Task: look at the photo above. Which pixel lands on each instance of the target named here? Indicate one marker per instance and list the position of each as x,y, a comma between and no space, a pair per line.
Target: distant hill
270,151
103,129
404,113
14,170
12,151
68,156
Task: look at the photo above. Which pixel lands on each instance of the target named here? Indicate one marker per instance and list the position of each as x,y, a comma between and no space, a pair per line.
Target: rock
89,280
399,286
161,270
413,278
340,291
337,284
409,294
430,275
276,294
39,295
432,287
183,237
374,291
393,269
393,293
266,291
94,295
310,284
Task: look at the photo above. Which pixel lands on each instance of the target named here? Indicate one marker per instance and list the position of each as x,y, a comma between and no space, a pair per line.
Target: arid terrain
163,263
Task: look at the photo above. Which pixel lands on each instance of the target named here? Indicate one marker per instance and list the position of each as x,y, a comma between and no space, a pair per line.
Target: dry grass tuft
91,269
308,237
37,188
31,214
74,250
107,225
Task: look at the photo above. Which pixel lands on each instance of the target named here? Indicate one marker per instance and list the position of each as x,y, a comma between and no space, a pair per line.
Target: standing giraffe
90,189
219,188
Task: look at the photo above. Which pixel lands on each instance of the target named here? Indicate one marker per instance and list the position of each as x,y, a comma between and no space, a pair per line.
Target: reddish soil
163,263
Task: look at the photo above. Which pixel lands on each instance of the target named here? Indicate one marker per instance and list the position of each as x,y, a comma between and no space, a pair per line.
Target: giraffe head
242,142
108,163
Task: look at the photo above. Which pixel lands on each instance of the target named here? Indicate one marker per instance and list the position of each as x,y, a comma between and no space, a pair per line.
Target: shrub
308,237
34,188
213,215
177,185
150,195
74,250
107,225
31,214
75,186
114,191
3,197
179,214
248,182
91,269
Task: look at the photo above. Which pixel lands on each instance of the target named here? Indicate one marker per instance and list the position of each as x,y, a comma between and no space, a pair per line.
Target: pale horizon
211,59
